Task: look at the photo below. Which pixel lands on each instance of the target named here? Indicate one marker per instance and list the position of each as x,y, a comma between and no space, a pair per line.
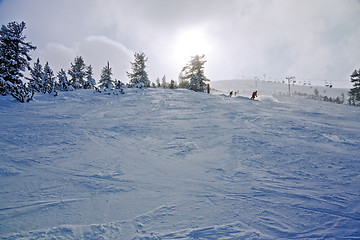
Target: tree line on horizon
15,60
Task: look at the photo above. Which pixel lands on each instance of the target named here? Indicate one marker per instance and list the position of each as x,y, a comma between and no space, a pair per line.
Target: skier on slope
254,95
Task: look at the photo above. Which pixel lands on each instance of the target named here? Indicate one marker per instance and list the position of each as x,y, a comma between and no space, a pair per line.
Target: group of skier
253,96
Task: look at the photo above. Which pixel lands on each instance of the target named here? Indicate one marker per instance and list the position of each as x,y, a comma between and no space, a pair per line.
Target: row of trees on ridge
15,60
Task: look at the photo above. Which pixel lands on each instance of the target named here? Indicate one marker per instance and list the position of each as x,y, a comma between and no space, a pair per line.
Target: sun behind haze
311,40
190,42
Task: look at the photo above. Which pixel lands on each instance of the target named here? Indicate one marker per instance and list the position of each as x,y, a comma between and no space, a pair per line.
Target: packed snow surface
175,164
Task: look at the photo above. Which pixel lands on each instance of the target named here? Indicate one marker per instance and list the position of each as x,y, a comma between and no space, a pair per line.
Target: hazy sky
313,40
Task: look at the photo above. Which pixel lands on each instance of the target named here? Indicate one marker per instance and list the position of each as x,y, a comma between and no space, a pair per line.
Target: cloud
98,50
301,38
58,56
308,39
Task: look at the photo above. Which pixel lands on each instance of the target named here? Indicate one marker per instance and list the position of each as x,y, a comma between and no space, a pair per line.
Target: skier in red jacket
254,95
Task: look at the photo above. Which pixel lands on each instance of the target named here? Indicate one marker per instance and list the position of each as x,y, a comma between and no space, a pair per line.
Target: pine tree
194,74
183,83
105,81
157,82
22,92
139,77
48,80
77,73
119,86
172,84
63,82
163,82
355,91
14,58
36,73
90,81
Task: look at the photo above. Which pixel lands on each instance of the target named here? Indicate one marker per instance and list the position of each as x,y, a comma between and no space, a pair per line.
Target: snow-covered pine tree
183,83
355,91
77,73
63,82
48,80
119,86
163,82
14,58
139,77
172,84
90,81
157,82
36,75
105,81
22,92
194,74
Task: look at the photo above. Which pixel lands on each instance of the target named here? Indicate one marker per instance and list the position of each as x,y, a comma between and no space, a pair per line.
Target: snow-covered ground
175,164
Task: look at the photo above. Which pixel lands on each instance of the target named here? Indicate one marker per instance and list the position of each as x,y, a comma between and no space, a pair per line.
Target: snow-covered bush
119,86
22,92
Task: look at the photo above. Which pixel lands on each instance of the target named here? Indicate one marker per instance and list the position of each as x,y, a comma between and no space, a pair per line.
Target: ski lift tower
290,79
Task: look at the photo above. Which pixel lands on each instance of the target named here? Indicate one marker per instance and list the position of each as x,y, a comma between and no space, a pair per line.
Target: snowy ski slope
267,89
175,164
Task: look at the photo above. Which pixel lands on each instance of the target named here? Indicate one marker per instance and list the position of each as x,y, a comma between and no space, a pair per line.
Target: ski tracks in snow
163,164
